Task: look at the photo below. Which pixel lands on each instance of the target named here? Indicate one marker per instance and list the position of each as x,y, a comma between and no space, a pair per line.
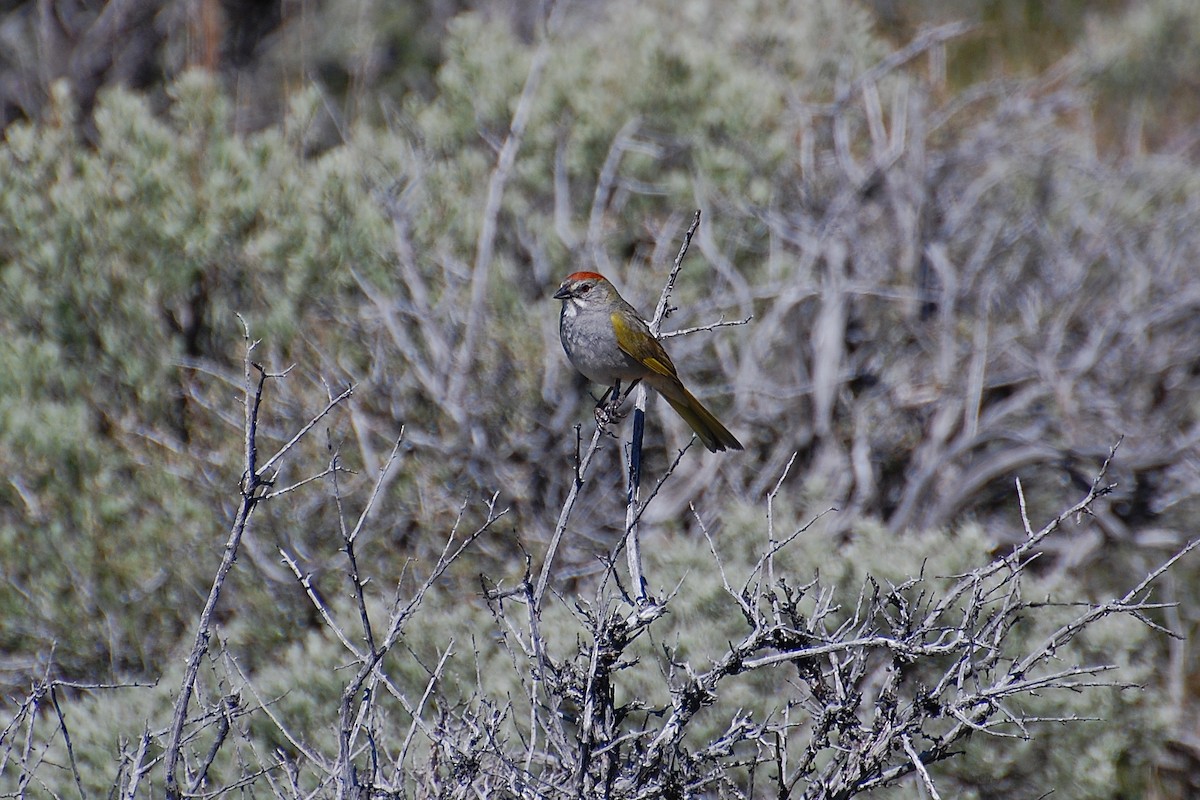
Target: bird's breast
591,345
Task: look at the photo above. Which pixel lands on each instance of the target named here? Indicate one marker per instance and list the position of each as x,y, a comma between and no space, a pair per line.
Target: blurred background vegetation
977,264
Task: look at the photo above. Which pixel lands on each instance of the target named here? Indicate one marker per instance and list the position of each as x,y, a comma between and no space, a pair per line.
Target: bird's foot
608,410
608,413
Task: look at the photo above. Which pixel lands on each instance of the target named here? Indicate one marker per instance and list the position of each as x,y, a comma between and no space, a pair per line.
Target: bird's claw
607,413
608,410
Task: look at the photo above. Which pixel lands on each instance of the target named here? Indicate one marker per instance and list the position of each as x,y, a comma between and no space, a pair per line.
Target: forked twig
252,484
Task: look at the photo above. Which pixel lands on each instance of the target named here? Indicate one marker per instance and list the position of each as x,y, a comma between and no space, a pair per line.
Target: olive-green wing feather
635,339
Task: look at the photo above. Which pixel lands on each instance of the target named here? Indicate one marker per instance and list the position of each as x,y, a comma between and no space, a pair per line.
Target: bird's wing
641,345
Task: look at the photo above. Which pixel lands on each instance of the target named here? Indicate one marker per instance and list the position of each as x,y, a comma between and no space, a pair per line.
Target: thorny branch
254,479
882,687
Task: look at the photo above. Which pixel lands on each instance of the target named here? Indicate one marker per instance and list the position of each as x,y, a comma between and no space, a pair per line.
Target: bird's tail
712,433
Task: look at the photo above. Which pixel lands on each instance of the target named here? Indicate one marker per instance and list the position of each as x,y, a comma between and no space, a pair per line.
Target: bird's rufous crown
583,276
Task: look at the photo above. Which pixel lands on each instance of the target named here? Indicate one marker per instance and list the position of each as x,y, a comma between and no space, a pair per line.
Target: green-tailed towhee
609,342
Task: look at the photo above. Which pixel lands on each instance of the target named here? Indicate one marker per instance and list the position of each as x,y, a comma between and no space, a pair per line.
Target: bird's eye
587,287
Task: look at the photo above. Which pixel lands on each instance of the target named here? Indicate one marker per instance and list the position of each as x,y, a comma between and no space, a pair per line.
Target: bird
609,342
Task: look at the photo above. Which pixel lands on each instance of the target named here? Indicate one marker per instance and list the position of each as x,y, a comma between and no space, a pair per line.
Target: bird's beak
563,293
